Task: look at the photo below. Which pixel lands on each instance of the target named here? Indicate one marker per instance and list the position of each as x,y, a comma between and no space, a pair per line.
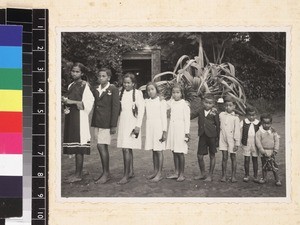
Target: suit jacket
106,108
209,125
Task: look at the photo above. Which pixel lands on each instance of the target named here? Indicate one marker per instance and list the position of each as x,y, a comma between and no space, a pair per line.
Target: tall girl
78,103
131,117
178,133
156,129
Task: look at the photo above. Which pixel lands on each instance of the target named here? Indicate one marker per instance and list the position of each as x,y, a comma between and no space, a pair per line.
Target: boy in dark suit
208,132
105,118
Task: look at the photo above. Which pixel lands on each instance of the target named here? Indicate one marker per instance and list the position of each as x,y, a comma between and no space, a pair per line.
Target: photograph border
288,166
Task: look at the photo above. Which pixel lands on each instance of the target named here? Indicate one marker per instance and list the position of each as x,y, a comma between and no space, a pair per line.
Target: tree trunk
201,56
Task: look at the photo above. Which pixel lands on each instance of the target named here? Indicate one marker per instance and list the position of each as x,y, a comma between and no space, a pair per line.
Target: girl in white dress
131,117
178,133
156,129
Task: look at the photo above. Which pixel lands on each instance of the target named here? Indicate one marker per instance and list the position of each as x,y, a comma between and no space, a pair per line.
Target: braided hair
132,77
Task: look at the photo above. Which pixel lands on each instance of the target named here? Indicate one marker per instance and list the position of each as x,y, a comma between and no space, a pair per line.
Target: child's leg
176,164
224,165
131,173
201,166
104,155
264,173
181,161
255,167
127,161
246,167
160,159
79,165
212,164
155,162
233,167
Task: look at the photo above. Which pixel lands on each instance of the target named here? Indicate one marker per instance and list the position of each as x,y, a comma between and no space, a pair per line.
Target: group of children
122,112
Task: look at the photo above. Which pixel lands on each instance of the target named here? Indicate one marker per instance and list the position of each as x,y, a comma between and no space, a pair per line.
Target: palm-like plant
218,79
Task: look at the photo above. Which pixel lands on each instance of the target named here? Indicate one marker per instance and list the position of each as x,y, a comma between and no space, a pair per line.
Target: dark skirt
71,144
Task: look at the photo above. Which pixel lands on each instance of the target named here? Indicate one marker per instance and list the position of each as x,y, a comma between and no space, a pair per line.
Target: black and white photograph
169,114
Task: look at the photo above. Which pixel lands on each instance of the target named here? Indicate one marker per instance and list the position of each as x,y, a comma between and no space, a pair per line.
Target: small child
229,137
208,132
267,141
156,129
178,133
249,126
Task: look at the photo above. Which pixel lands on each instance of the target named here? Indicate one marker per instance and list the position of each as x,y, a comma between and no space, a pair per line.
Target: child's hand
187,138
64,99
136,130
235,148
163,137
113,130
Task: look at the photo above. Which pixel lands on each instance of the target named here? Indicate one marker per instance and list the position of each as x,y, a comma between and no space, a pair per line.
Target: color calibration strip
11,125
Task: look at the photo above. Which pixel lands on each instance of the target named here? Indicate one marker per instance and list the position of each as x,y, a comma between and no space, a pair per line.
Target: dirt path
140,187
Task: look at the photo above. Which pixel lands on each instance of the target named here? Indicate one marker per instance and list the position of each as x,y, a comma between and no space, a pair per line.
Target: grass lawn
139,186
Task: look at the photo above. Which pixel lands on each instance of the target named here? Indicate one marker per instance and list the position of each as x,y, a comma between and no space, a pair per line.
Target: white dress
179,126
127,121
156,123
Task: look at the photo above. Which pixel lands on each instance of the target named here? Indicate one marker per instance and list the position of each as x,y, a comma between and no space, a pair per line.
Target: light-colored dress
127,121
156,123
179,126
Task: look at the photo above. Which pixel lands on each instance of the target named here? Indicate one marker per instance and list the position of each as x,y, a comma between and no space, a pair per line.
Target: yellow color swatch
10,101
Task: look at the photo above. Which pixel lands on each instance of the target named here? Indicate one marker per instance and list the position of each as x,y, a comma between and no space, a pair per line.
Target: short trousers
226,143
103,136
207,144
248,151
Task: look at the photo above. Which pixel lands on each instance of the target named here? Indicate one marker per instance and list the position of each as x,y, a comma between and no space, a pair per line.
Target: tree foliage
258,57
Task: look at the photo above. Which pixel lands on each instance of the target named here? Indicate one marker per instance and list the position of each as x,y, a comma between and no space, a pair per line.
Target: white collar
255,122
103,89
233,113
265,131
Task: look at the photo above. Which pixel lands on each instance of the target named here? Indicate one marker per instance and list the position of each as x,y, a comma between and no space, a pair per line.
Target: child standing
249,126
178,133
105,118
229,137
78,102
267,141
131,117
208,132
156,129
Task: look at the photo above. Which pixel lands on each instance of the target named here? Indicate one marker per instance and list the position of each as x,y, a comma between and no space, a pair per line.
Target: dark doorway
140,67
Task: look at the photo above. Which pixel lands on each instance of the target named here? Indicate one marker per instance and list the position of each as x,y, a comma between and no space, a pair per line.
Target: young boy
229,137
267,141
249,126
105,118
208,132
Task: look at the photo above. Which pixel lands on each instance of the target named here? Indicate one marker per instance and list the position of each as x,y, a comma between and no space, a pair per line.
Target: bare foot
200,177
151,176
233,180
156,178
173,176
208,179
223,179
98,178
74,179
103,179
124,180
180,178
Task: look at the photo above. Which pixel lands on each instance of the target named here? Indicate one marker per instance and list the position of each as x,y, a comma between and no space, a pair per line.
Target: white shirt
206,112
101,90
